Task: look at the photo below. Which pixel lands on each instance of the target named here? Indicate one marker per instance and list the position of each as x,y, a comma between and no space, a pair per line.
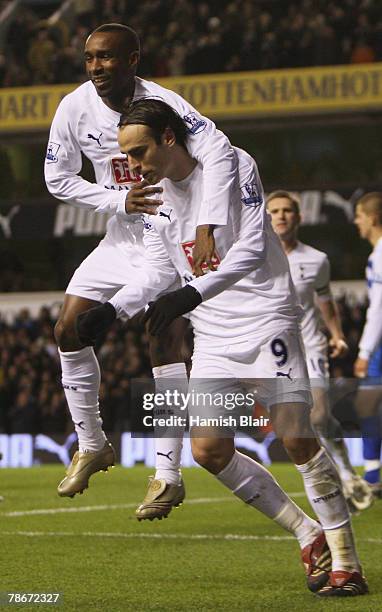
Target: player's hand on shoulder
138,199
338,347
361,367
204,249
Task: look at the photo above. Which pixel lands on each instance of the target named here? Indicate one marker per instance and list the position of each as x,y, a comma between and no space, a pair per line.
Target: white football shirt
310,270
84,124
252,289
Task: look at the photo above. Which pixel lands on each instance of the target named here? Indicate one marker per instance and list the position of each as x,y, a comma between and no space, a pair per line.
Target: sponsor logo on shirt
250,195
194,123
188,248
52,152
122,173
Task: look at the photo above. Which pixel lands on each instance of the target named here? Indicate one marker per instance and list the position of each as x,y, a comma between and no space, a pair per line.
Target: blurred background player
245,319
86,123
368,366
310,270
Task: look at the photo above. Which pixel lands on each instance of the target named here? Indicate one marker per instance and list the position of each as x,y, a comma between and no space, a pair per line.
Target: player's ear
168,137
134,59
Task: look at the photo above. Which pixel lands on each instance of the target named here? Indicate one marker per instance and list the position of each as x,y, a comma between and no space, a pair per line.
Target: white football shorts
272,366
106,270
318,367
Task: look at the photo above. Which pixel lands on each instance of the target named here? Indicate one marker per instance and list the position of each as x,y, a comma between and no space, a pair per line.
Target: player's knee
211,454
66,336
301,450
200,452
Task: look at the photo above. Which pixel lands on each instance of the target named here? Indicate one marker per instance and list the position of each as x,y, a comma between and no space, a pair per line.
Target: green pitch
214,553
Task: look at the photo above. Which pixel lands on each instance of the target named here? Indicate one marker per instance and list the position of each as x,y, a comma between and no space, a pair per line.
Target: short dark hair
283,193
157,115
130,36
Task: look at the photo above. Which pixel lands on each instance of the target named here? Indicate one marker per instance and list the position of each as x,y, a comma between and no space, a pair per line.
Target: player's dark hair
158,116
131,38
372,204
282,193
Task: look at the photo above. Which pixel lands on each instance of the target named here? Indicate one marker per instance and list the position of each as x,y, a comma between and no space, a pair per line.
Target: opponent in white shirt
86,124
368,366
245,319
310,270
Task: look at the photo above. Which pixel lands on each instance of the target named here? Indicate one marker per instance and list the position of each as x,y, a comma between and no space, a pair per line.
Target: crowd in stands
197,36
31,395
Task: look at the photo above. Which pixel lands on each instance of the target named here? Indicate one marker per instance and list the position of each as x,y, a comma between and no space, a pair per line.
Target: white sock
342,546
324,490
252,483
81,380
168,450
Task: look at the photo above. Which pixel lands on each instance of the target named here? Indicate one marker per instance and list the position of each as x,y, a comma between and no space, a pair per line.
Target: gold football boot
82,466
160,499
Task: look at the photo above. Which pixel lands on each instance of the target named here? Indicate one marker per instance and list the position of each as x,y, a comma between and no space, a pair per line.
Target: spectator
192,37
31,396
41,57
23,414
362,52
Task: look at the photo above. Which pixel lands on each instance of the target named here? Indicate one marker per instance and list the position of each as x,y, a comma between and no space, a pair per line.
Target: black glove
170,306
94,322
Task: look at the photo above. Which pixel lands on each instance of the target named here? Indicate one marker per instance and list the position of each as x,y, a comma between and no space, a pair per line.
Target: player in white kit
245,318
310,270
86,123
